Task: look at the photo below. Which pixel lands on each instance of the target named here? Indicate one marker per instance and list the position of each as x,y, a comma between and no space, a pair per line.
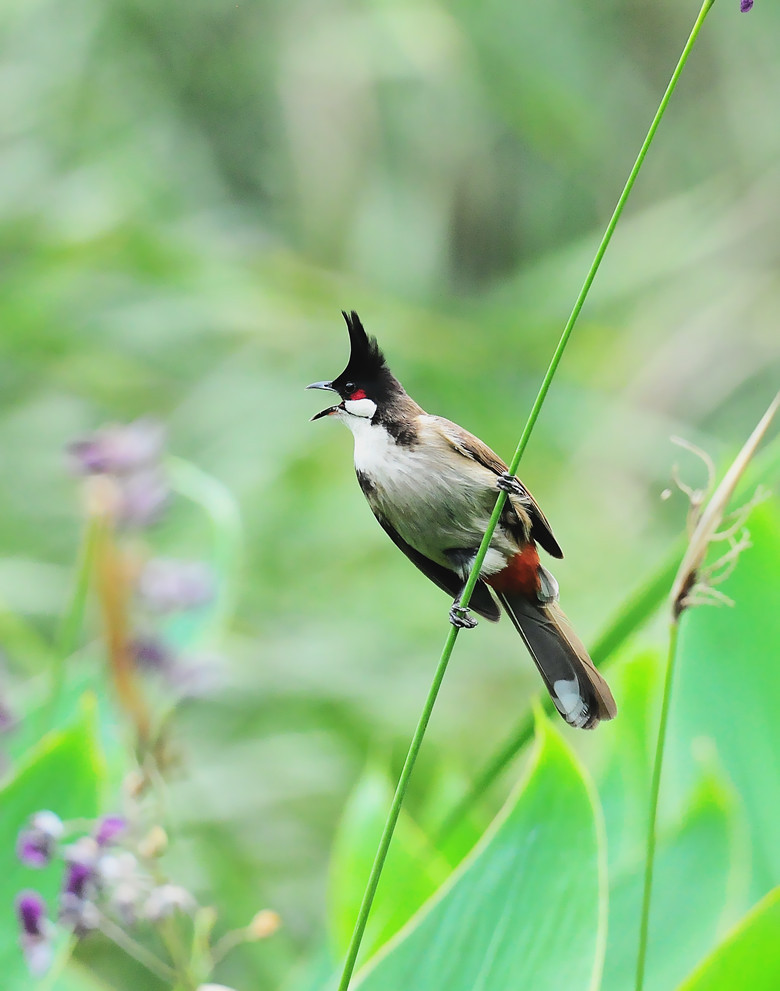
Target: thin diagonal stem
72,622
652,815
689,574
414,748
136,950
395,809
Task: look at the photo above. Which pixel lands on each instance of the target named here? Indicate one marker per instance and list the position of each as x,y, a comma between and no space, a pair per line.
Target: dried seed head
710,518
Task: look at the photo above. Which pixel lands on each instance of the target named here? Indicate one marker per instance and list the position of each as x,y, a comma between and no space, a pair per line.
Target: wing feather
482,601
472,447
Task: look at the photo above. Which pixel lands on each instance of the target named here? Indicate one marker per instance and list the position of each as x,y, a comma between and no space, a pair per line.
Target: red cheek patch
360,394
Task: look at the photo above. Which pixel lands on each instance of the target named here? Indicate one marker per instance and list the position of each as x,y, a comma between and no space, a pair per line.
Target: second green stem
652,815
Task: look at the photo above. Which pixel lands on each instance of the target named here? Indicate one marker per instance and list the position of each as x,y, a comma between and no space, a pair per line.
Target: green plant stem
217,501
652,815
136,950
395,809
72,621
169,931
613,221
59,964
414,748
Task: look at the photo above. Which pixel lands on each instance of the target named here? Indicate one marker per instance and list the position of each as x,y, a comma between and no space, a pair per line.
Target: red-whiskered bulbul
433,486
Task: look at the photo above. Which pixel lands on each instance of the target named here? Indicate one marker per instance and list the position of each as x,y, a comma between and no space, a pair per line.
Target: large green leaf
748,958
624,754
76,977
692,895
728,688
527,908
411,874
64,774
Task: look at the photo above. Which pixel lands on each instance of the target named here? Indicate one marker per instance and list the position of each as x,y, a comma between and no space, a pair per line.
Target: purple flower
35,932
143,497
108,829
36,843
80,886
117,449
77,879
745,5
167,585
81,860
150,653
130,455
31,911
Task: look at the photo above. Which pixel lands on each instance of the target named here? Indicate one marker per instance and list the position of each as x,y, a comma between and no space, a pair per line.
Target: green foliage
693,892
64,774
728,686
749,957
189,194
515,911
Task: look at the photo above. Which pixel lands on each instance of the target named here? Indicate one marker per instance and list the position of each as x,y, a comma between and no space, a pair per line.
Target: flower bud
264,924
35,935
108,829
154,844
36,843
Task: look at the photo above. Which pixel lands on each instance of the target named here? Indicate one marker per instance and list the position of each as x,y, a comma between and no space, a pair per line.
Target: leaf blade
515,913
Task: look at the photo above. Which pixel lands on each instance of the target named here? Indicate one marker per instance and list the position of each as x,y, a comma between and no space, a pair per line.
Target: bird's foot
511,485
461,617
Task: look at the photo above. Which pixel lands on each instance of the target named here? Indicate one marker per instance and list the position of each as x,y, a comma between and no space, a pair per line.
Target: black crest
366,361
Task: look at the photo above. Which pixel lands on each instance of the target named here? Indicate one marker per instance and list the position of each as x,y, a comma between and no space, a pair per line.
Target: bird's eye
349,387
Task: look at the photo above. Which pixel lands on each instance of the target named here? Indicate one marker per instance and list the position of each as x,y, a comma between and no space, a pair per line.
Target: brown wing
472,447
482,601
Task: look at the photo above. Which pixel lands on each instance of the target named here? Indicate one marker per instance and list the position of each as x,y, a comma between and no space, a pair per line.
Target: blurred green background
189,194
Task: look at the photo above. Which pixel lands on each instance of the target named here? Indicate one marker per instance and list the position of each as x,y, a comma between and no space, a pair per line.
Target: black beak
329,387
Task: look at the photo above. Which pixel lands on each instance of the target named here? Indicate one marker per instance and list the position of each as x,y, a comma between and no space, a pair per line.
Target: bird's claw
461,617
511,485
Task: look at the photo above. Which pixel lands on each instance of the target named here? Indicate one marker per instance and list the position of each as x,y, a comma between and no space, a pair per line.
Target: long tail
579,692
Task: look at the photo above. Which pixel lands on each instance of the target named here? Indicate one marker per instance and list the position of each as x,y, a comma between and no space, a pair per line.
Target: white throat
360,407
